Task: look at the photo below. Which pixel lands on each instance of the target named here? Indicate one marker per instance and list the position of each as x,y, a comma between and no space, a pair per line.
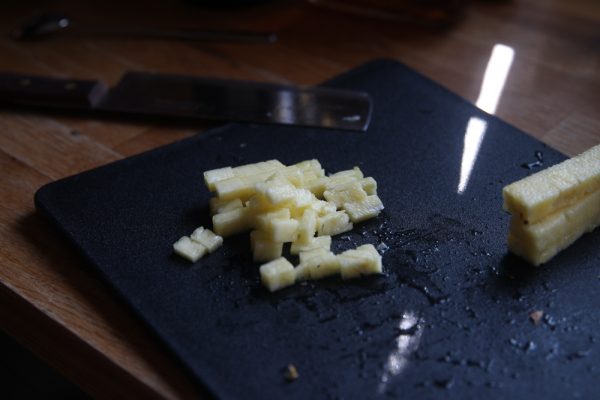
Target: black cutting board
450,317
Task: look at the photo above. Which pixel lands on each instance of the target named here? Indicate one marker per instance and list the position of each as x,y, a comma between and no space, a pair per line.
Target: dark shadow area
71,265
25,376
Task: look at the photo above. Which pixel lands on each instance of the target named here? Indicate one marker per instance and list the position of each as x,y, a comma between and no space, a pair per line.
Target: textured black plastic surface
449,319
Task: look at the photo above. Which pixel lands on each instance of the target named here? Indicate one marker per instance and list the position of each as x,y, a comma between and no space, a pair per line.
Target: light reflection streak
474,134
406,343
494,79
285,107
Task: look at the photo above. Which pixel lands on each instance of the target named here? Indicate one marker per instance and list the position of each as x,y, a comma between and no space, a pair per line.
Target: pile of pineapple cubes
295,204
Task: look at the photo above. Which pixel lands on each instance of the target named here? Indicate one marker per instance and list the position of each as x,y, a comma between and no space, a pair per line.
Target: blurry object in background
226,3
48,24
433,13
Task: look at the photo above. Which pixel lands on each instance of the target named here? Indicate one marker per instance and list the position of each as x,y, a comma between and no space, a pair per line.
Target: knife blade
140,93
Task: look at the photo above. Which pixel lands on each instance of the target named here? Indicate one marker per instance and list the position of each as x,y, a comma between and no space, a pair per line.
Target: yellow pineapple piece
364,260
369,185
263,221
541,241
323,207
539,195
347,192
241,187
263,248
323,265
317,186
207,238
259,204
276,189
368,208
355,173
277,274
263,166
333,224
283,230
188,249
323,242
216,175
308,254
308,165
219,205
307,227
232,222
302,272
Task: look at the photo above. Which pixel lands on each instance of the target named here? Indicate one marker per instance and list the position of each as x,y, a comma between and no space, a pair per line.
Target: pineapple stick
533,198
539,242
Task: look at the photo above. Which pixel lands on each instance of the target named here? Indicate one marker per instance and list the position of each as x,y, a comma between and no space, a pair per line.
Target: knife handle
30,90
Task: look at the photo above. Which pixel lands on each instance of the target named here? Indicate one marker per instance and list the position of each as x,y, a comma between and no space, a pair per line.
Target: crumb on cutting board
291,373
536,316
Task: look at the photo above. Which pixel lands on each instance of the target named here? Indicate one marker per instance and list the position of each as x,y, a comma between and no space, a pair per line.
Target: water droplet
539,155
530,346
382,248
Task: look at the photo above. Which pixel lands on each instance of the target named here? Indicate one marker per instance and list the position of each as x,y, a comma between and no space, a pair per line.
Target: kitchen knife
139,93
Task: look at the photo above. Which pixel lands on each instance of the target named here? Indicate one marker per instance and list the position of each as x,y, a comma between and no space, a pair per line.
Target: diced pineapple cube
308,254
232,188
218,205
308,165
304,198
323,265
364,260
258,204
277,274
368,208
333,224
307,227
246,170
207,238
252,169
355,173
317,186
189,249
277,190
348,192
216,175
270,165
283,230
323,207
316,242
232,222
339,180
263,221
264,249
294,176
302,272
369,185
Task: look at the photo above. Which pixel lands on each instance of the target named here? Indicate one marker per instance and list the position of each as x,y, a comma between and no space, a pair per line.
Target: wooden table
52,303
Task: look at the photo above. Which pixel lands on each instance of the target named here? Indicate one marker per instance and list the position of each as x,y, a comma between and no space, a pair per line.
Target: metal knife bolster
31,90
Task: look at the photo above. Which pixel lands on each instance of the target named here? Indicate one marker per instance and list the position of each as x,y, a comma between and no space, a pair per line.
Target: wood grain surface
52,303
